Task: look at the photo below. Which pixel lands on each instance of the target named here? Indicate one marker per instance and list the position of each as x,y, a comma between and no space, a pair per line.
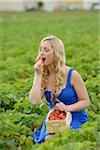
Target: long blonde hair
59,65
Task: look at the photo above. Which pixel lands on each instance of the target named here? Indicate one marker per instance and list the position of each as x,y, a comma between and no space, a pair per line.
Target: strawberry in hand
43,59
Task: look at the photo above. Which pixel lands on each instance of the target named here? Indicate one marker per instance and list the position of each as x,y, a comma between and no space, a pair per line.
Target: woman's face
46,52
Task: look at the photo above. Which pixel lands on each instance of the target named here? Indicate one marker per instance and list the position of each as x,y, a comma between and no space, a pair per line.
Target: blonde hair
59,65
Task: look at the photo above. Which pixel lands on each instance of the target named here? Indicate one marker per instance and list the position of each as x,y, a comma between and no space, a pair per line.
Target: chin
46,64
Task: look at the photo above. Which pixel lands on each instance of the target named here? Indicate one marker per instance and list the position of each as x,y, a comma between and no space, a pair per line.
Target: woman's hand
39,65
61,106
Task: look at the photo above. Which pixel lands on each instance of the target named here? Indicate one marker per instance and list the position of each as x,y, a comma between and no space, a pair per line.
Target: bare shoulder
79,86
76,77
75,74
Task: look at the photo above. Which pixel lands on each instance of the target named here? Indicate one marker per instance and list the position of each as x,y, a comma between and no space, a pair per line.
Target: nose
42,52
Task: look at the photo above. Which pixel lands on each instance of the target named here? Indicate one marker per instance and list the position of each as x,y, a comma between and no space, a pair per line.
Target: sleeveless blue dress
67,96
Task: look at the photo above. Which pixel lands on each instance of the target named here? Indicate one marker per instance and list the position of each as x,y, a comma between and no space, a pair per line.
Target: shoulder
75,74
76,78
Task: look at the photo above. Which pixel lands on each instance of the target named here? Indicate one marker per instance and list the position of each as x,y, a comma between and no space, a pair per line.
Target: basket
53,126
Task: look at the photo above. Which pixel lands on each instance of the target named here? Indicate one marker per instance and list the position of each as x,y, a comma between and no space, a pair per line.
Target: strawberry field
20,34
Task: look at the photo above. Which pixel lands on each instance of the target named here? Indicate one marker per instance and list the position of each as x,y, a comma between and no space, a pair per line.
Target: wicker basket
53,126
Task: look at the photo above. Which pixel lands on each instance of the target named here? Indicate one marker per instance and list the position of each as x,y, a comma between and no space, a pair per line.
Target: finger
58,106
39,63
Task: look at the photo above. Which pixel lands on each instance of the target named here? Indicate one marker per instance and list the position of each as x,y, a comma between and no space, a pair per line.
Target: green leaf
22,139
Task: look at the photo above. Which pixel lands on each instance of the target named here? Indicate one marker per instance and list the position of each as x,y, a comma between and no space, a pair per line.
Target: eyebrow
44,47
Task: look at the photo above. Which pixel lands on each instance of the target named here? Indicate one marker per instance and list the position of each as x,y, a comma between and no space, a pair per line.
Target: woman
55,80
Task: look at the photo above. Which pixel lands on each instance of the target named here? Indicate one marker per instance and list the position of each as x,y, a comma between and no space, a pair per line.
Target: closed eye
47,50
44,49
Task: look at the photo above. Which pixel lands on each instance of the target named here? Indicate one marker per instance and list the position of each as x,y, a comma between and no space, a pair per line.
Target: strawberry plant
20,34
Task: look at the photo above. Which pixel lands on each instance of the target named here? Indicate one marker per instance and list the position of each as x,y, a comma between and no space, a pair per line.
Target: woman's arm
81,91
82,94
35,92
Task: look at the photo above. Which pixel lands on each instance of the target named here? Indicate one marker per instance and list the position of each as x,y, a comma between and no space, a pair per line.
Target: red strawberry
57,115
57,112
43,59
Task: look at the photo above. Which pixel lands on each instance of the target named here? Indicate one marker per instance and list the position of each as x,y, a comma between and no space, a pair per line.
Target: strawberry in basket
57,115
57,121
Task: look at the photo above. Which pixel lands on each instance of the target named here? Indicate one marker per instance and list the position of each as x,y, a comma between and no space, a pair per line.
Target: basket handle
57,100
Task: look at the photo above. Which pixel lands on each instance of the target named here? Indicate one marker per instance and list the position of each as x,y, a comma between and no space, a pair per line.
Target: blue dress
67,96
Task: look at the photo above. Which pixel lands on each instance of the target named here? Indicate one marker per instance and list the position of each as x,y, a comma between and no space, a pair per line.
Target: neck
50,69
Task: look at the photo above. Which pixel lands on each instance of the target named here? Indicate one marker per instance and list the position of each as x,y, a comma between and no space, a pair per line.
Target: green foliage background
20,34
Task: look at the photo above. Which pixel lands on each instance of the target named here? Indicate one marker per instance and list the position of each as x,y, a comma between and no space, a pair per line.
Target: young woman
53,79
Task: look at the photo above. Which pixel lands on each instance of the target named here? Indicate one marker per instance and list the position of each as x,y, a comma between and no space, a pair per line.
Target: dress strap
69,77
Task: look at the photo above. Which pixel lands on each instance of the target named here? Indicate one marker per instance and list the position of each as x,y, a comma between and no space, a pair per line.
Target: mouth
43,59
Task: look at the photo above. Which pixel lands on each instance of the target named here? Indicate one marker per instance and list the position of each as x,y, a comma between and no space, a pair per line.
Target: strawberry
57,115
57,112
43,59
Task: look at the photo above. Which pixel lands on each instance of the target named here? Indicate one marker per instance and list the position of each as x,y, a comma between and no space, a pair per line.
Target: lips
43,59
